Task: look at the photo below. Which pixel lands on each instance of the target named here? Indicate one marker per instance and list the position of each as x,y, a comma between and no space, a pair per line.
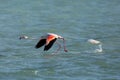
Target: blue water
76,21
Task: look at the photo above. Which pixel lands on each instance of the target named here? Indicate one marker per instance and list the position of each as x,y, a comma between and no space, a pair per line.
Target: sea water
75,20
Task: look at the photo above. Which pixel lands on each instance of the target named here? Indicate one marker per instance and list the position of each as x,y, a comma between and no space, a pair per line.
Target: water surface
76,21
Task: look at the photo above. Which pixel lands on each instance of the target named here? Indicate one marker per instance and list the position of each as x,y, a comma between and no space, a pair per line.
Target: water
76,21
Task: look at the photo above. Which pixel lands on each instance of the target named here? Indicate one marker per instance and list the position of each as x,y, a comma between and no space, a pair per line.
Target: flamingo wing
48,46
40,43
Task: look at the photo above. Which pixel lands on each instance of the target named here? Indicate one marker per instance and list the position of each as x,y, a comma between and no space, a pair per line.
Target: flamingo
47,41
23,37
93,41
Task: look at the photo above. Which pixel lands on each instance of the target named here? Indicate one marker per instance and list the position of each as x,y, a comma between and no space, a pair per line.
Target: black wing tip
36,47
45,50
40,43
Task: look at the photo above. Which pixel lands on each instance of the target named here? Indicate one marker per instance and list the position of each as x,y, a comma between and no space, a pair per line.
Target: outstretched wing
40,43
47,47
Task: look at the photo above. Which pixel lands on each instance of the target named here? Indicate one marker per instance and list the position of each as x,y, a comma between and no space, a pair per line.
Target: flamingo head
60,37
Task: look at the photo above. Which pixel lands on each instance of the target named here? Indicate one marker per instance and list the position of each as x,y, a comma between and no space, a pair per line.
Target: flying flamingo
93,41
48,40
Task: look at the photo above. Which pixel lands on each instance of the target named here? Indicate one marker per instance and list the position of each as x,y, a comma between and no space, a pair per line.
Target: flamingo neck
64,45
100,46
99,49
